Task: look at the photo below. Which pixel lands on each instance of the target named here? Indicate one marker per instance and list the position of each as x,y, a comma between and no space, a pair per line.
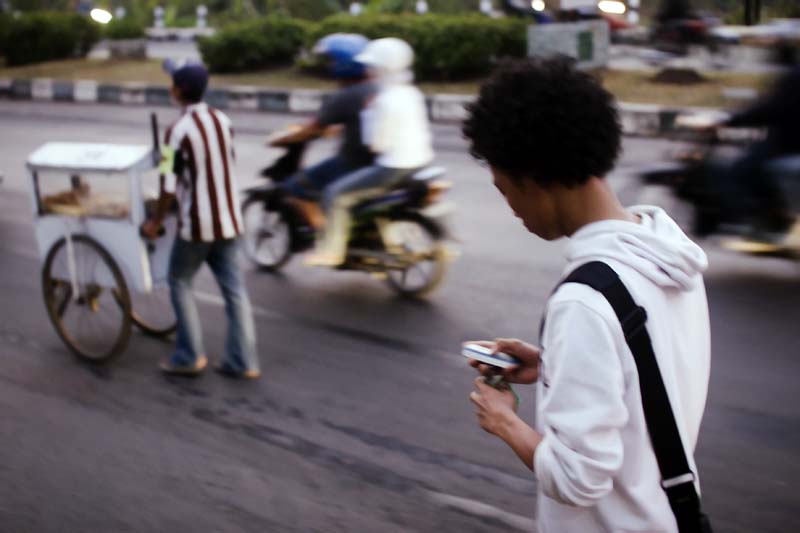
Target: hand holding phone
525,366
487,356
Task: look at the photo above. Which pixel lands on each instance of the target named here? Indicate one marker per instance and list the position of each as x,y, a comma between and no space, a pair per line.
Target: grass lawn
626,86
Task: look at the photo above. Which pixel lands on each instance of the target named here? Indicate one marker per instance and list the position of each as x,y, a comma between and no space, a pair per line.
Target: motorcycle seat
415,185
429,173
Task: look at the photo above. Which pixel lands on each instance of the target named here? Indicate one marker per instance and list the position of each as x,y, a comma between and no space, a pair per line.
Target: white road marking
476,508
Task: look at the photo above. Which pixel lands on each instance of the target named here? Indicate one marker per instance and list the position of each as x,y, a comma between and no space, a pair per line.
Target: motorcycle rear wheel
423,252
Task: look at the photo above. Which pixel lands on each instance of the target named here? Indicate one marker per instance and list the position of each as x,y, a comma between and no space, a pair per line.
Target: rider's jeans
222,258
341,196
309,182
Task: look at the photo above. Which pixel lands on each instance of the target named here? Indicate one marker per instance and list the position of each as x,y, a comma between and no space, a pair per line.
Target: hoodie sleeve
583,409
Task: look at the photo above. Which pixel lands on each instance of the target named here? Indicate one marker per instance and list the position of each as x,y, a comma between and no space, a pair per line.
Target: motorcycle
400,236
693,177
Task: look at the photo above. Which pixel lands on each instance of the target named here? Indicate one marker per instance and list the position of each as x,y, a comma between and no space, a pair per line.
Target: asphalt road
361,422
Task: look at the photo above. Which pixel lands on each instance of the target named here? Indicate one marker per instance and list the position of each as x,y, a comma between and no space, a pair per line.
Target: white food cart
100,277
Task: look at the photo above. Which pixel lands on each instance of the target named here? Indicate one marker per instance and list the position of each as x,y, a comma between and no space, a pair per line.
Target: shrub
46,36
127,28
447,47
254,45
39,5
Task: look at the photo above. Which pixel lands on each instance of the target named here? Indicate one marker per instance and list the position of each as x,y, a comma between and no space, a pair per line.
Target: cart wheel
152,313
95,323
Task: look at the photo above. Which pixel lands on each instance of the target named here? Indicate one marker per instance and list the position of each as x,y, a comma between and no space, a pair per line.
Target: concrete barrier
636,119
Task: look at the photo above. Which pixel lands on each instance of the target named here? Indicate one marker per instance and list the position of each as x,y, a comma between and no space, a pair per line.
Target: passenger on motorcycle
343,108
395,127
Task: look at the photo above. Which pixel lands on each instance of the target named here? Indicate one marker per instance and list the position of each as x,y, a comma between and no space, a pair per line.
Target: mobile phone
485,355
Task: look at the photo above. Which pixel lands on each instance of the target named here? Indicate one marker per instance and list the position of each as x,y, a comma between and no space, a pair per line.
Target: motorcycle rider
747,190
395,127
344,108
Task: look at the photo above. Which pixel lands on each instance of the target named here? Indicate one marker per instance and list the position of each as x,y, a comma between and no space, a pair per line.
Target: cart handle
156,143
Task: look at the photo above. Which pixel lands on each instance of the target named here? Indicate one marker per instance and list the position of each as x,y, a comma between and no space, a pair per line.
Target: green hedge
127,28
46,36
258,44
446,47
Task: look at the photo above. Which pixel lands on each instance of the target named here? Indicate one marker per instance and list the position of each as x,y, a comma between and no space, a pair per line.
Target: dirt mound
678,76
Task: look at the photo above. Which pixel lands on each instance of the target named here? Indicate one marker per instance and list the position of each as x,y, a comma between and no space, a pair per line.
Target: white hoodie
395,124
595,466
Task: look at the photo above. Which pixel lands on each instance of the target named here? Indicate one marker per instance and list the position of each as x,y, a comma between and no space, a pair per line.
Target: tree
40,5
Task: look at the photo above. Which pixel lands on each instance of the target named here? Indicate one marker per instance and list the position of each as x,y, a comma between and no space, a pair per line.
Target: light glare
612,6
538,5
101,15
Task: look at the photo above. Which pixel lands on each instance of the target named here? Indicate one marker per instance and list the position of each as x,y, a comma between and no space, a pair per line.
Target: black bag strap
677,477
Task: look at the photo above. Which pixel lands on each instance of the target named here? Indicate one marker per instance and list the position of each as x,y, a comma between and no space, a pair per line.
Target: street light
101,15
538,5
613,7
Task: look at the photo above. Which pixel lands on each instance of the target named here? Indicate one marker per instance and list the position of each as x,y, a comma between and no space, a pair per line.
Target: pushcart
99,276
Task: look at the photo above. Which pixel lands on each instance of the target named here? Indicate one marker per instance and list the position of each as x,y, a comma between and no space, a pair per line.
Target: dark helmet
341,50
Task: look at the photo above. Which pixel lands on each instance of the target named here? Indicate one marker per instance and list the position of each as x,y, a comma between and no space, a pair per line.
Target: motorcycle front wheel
267,235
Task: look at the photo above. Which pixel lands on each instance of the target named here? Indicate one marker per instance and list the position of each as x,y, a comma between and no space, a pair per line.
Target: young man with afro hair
550,134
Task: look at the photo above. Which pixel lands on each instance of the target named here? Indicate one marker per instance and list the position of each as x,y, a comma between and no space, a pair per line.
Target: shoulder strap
677,477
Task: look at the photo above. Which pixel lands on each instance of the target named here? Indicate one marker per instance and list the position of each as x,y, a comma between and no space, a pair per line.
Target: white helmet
387,55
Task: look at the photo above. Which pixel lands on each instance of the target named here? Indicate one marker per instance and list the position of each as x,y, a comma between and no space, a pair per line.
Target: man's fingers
480,384
485,370
475,398
485,344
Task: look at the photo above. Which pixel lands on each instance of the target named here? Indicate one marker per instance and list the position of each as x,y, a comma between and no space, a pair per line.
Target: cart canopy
90,157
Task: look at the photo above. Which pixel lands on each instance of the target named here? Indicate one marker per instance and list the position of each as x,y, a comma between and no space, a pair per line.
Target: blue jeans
222,257
309,182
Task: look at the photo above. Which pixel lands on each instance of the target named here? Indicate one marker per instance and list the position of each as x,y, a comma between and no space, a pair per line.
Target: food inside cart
80,201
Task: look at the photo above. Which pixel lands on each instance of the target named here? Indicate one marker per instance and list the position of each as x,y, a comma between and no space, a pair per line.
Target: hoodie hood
389,60
656,248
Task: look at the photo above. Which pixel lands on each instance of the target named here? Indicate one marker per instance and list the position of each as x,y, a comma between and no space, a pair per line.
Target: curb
645,120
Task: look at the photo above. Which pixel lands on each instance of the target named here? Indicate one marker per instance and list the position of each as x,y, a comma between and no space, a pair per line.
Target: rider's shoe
167,366
311,211
226,370
322,259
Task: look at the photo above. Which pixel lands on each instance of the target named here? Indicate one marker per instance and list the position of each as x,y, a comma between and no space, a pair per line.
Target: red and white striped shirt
203,177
